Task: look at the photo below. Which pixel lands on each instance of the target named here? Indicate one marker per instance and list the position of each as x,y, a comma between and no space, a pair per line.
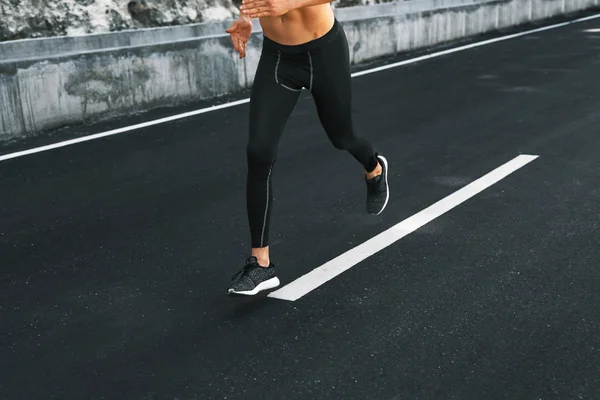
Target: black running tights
320,66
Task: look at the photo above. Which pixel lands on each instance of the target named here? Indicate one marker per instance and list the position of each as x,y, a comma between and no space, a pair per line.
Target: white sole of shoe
387,187
266,285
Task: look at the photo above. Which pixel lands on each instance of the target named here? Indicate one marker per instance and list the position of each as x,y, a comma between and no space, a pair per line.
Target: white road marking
472,45
236,103
121,130
317,277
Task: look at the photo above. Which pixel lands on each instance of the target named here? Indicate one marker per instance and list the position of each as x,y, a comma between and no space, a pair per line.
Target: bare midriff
300,25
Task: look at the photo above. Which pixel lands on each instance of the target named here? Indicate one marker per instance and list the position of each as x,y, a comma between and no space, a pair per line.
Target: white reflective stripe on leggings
262,235
311,71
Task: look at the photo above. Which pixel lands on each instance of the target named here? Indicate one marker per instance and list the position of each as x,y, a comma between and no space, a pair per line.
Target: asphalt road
116,253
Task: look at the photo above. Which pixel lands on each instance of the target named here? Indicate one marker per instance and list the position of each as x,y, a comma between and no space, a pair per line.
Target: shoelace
374,183
245,268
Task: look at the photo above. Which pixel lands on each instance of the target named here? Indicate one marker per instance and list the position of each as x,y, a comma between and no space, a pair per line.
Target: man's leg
331,90
270,107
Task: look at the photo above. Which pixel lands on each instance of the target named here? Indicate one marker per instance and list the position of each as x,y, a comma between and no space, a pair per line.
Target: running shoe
378,191
253,279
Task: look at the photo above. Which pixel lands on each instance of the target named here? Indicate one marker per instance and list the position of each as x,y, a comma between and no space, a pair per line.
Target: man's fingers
234,27
254,6
250,3
238,44
234,42
263,14
241,46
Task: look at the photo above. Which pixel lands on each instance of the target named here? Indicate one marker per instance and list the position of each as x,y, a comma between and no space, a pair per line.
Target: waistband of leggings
269,44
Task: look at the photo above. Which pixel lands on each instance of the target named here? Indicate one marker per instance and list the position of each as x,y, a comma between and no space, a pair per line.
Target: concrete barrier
49,47
50,83
65,45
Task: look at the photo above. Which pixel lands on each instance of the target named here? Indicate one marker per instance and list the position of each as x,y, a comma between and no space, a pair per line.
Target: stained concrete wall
37,95
70,80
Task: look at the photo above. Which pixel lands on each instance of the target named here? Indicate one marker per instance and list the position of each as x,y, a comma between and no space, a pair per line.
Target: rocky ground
20,19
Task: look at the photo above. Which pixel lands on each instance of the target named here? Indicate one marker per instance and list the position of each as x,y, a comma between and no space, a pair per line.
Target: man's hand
266,8
240,31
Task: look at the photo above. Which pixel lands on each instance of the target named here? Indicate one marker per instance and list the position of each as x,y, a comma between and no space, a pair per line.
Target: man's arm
274,8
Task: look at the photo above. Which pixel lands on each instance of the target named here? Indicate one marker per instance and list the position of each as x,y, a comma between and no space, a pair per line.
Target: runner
304,47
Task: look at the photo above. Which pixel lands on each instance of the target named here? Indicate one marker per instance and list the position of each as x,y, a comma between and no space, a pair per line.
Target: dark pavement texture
116,253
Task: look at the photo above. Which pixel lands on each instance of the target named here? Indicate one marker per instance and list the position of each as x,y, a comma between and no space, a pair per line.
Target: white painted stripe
472,45
121,130
235,103
312,280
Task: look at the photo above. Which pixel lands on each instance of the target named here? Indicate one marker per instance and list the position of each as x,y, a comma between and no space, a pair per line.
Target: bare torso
300,25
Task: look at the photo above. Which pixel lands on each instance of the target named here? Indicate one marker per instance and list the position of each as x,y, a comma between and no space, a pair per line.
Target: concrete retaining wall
37,95
71,80
48,47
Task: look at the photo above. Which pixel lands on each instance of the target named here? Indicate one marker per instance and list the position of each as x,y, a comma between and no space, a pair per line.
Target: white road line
315,278
472,45
235,103
121,130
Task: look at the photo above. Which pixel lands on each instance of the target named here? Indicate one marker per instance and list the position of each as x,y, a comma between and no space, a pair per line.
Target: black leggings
320,66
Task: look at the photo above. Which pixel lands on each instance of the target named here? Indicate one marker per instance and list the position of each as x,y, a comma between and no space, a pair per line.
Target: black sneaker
378,191
253,279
